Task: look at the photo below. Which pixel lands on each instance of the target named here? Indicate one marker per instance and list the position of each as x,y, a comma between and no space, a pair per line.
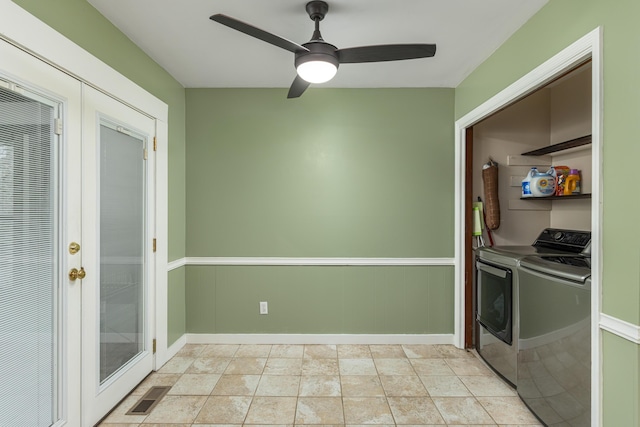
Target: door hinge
145,154
154,346
154,244
57,126
155,144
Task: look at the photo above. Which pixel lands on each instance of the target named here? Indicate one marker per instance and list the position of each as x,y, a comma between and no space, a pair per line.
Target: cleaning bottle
572,184
562,172
544,184
537,184
526,183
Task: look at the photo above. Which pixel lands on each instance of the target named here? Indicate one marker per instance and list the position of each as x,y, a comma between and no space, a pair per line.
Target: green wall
621,387
336,173
176,315
328,214
320,300
85,26
557,25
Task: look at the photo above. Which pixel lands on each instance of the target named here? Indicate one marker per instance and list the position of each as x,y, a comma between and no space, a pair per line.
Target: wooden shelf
573,197
584,140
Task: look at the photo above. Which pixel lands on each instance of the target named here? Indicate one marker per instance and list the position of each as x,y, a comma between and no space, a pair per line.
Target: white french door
76,259
40,119
117,214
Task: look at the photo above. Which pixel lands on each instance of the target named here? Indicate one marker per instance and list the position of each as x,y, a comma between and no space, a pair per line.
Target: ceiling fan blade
385,52
297,87
252,31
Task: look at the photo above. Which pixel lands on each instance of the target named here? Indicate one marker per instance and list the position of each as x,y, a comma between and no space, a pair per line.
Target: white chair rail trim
295,261
621,328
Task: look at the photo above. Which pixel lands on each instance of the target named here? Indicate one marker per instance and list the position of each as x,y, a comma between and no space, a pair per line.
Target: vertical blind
28,264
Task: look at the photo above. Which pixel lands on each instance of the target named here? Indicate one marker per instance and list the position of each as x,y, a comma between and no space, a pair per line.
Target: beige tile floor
286,385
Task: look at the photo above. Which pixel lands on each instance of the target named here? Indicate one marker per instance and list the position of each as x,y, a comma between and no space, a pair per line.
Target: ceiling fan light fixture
319,64
317,61
317,71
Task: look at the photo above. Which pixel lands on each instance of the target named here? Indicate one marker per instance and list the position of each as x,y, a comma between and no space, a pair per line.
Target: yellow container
572,184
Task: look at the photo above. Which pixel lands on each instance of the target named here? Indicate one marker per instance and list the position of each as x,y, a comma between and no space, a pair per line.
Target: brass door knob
75,274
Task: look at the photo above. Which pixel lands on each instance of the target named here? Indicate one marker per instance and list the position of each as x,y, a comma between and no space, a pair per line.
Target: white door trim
589,46
35,36
41,80
26,31
98,397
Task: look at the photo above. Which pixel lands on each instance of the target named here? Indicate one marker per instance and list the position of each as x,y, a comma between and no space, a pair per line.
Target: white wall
521,127
559,112
570,115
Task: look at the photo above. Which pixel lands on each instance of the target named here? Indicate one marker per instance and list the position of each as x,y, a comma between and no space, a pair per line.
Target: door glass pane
28,265
122,255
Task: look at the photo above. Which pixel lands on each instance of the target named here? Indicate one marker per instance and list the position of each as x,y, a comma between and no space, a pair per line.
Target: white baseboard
319,339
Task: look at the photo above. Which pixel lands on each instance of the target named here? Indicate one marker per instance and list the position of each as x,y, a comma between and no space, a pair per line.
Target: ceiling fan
317,61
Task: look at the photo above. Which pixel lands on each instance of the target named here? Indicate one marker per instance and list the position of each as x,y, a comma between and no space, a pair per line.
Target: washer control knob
558,236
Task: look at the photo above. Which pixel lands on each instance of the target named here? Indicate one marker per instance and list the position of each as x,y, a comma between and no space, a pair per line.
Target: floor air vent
148,401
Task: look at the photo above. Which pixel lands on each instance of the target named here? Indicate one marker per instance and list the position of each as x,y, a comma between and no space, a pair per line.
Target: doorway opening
585,50
557,112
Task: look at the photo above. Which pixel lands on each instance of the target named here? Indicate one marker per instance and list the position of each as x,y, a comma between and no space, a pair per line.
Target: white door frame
25,30
33,76
589,46
29,33
98,398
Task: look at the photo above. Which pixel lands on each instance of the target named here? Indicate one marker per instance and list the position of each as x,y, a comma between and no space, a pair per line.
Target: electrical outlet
264,307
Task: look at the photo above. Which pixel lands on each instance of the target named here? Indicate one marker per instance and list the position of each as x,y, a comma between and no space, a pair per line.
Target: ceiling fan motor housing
318,51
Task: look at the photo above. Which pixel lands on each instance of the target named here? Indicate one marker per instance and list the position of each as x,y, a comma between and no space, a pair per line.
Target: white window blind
28,264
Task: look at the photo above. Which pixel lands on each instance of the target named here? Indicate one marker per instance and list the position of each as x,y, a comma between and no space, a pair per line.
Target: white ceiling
198,52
